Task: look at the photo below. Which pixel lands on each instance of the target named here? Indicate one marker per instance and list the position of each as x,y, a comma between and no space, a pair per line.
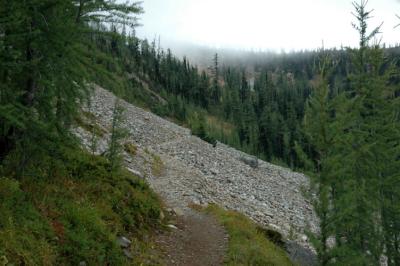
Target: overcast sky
263,24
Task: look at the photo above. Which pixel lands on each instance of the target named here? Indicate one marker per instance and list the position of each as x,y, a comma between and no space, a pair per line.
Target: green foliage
247,244
157,166
130,148
318,122
198,124
90,126
355,139
46,63
76,214
118,133
25,236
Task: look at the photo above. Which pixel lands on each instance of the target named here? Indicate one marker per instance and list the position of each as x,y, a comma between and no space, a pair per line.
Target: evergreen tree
355,139
45,66
318,123
215,94
118,133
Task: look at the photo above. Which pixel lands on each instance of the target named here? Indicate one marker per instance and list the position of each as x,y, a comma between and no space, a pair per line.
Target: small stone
123,242
135,172
172,226
214,171
162,216
196,201
178,211
82,263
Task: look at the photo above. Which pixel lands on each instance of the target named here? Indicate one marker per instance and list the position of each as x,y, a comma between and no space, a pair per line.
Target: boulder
251,161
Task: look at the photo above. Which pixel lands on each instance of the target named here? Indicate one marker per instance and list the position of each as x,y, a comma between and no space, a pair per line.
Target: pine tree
118,133
356,144
358,194
216,93
45,67
318,127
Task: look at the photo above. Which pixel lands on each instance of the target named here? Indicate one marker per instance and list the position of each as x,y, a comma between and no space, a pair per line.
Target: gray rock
135,172
172,226
250,160
214,171
300,255
123,242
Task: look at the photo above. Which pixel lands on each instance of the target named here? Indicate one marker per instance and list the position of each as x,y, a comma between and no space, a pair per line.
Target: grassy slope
76,215
247,245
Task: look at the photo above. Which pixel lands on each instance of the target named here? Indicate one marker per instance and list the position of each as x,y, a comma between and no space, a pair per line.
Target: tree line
332,113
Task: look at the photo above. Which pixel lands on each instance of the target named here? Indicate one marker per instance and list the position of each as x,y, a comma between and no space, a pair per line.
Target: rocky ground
194,171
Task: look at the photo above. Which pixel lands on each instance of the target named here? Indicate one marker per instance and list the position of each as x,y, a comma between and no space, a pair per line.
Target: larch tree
44,68
355,138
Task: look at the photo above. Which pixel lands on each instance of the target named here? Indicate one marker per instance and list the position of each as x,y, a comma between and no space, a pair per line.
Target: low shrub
75,214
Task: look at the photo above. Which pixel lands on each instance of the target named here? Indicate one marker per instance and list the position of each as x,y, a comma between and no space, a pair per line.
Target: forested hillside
255,106
333,114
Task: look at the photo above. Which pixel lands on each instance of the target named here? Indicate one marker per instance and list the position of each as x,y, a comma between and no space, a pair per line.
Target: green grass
157,165
75,214
247,244
90,125
130,148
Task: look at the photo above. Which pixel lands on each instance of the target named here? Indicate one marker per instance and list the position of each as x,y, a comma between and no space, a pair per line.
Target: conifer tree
318,126
118,133
215,94
45,65
355,137
357,227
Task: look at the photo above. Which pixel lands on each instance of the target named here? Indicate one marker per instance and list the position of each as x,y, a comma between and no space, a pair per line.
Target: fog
267,25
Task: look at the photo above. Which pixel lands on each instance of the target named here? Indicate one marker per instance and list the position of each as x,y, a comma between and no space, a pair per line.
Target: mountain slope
196,172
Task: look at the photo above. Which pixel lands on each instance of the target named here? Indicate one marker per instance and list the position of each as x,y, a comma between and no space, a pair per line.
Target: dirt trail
198,241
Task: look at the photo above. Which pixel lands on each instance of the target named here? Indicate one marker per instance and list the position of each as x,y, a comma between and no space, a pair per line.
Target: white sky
263,24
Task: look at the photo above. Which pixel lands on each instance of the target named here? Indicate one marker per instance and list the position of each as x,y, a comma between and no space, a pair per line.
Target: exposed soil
198,241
